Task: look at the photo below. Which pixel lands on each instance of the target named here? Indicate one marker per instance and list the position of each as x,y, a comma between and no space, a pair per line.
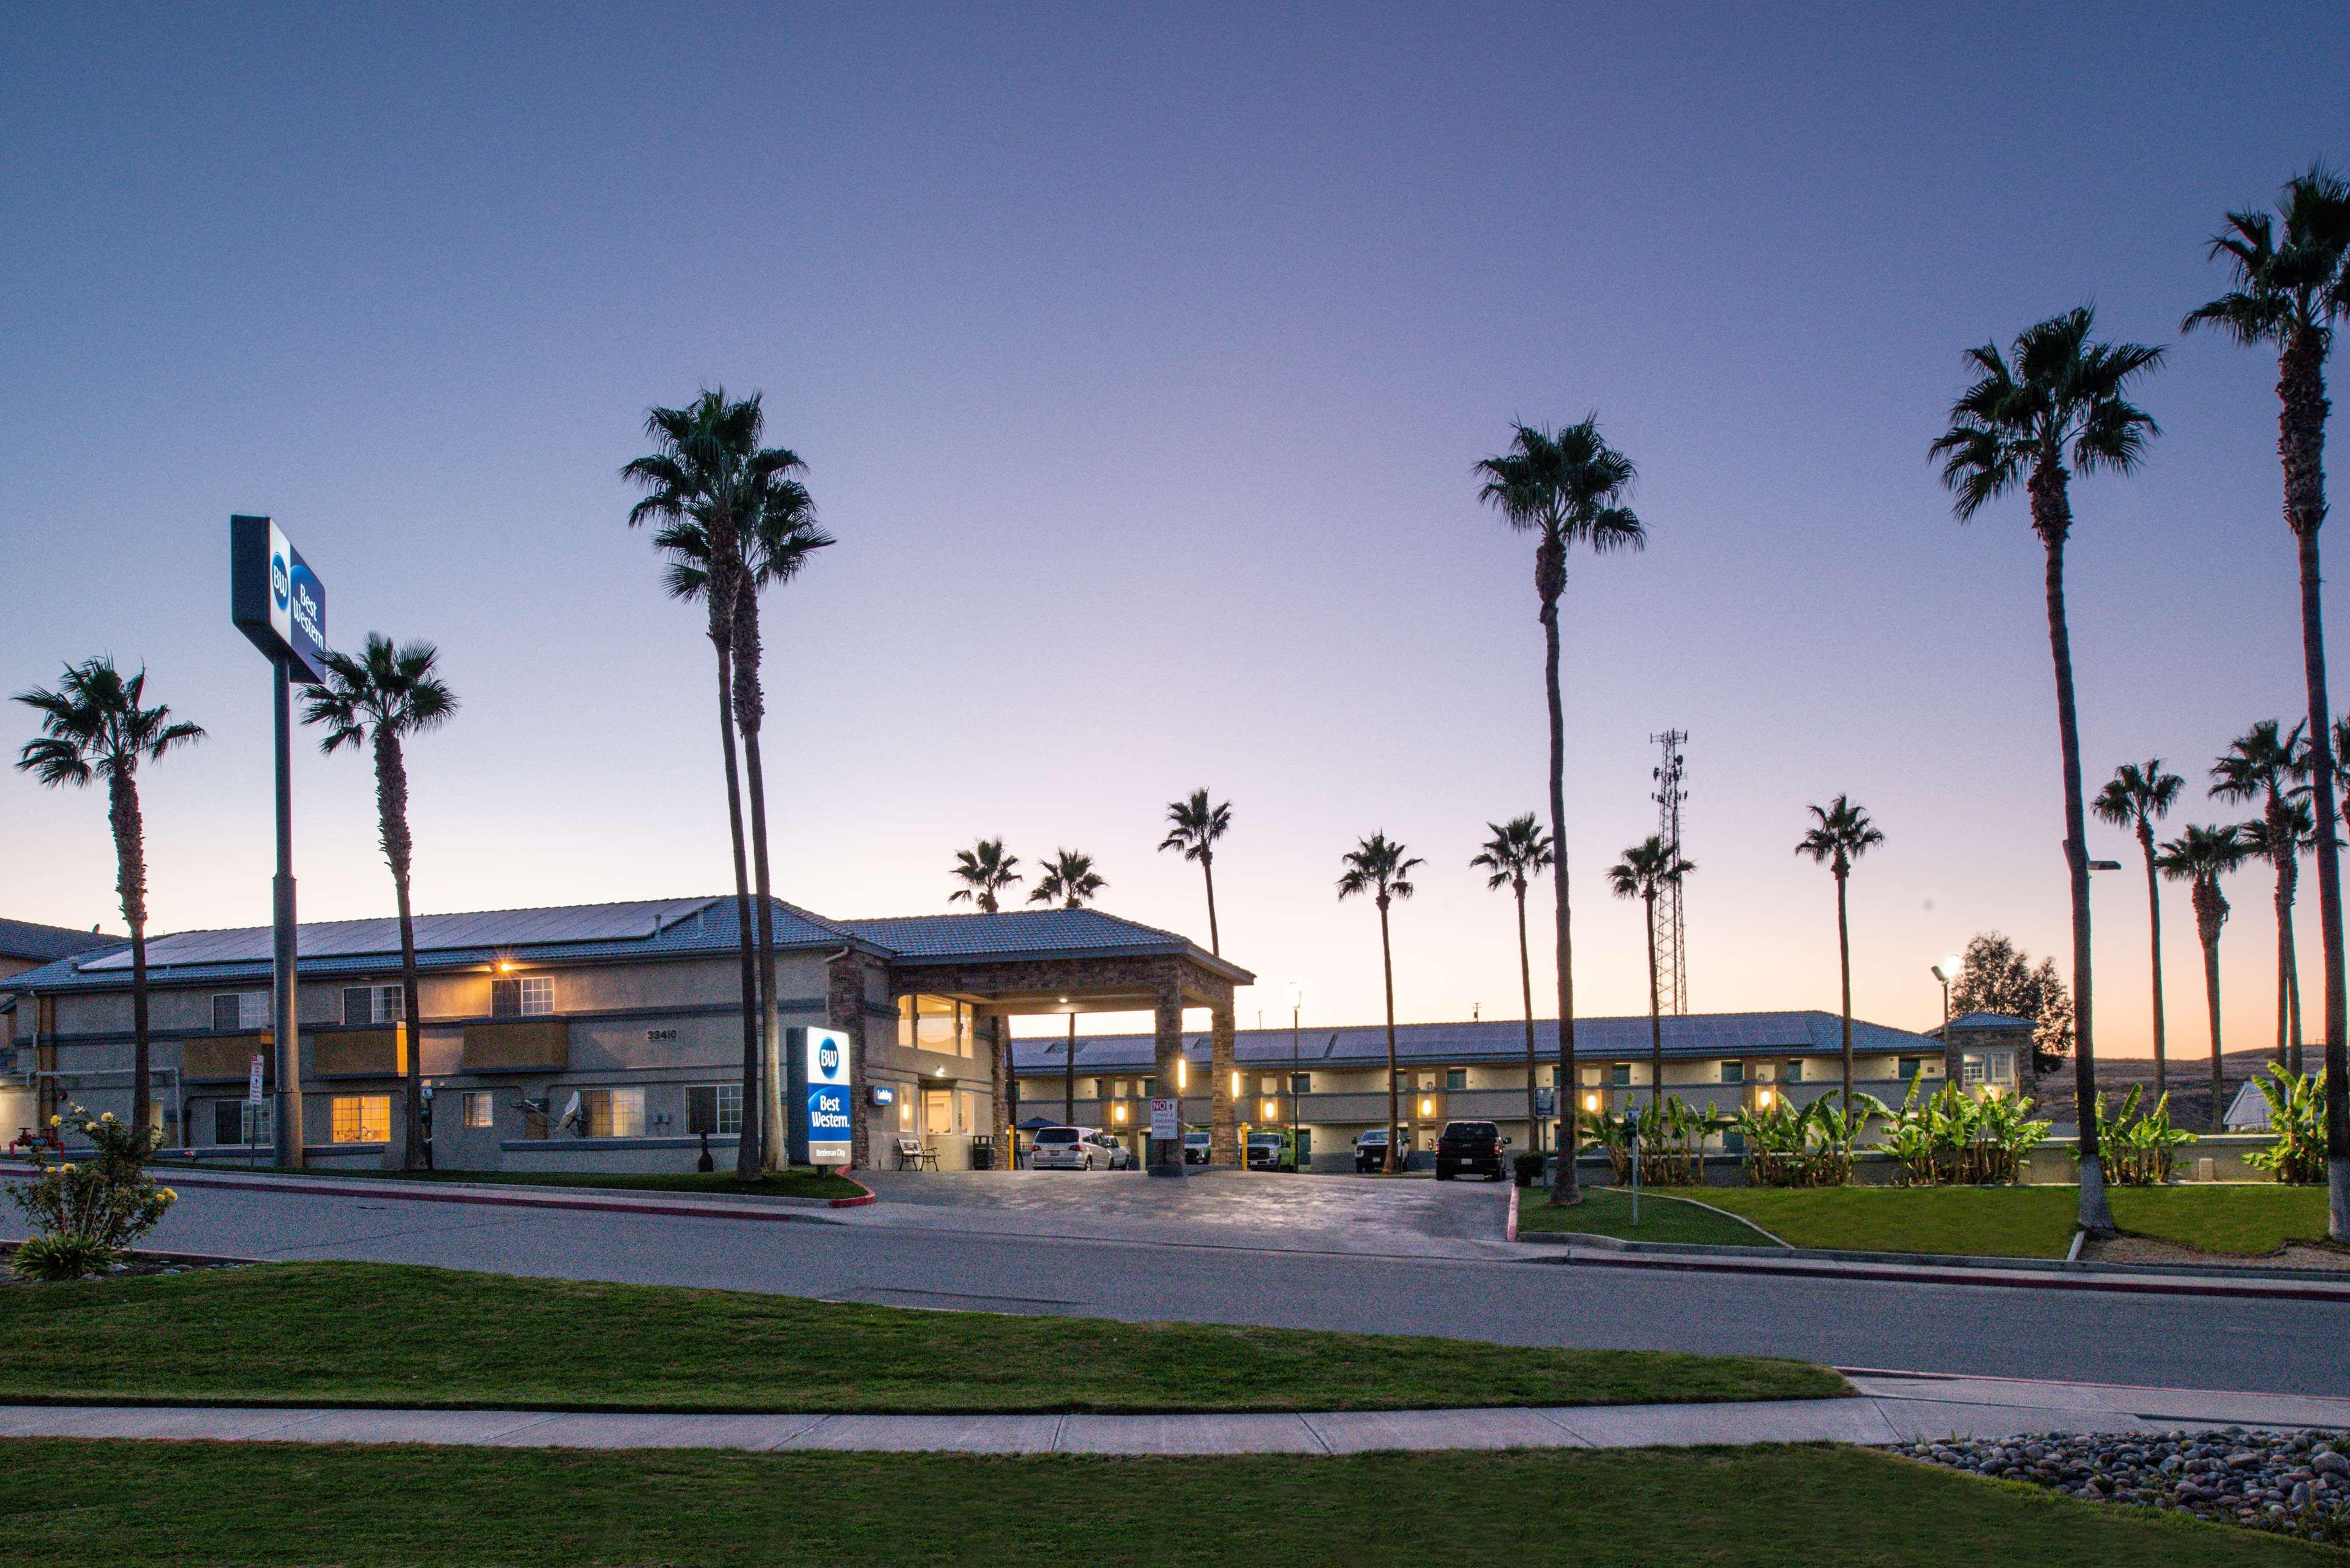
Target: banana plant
2138,1147
2297,1117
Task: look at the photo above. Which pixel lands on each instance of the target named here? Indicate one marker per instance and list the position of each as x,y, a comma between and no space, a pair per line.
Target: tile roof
26,940
1704,1035
1023,933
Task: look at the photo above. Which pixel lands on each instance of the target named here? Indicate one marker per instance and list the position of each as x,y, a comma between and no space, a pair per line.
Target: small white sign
1166,1120
252,1083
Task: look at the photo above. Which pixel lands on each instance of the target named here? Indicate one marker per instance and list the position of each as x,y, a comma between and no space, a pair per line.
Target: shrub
1526,1167
2135,1149
1790,1147
1948,1139
1672,1141
96,1207
2296,1116
59,1258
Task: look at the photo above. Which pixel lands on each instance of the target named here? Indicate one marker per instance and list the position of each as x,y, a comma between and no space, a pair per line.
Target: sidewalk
1891,1408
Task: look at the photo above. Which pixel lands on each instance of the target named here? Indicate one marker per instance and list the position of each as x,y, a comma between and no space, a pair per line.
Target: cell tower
1673,937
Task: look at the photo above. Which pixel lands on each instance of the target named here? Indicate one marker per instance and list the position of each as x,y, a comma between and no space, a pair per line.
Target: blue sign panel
275,598
828,1105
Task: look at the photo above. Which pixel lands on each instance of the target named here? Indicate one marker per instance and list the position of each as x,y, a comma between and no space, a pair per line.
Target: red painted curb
1512,1233
866,1194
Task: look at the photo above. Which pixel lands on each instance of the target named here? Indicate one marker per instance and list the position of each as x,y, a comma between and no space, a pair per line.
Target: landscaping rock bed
131,1265
2150,1250
2297,1483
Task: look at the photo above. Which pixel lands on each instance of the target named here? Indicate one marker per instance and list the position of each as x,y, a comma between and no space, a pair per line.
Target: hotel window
1908,1068
2002,1067
1794,1072
612,1113
372,1005
362,1119
241,1122
1456,1077
715,1108
1301,1082
479,1112
238,1011
1733,1072
1971,1068
1619,1074
1554,1070
525,996
1145,1088
935,1024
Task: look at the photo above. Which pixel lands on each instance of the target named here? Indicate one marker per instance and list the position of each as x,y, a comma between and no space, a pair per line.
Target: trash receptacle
982,1152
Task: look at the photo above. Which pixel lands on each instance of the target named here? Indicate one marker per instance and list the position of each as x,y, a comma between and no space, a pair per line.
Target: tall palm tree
1649,867
2284,841
2270,765
1070,881
1841,834
1567,488
379,696
96,725
1194,825
778,530
986,872
2289,294
706,468
2200,857
1518,851
2137,798
1380,867
2057,401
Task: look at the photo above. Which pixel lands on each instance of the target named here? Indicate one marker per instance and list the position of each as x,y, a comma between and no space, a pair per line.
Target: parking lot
1220,1206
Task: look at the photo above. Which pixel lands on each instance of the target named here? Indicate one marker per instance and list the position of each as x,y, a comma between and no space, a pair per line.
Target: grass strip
396,1334
2026,1222
801,1181
124,1505
1605,1211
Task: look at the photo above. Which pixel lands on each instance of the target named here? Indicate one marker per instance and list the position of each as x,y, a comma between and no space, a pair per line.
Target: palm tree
1518,851
2200,857
1069,880
94,725
1650,867
709,468
2137,798
1567,487
2289,295
1195,826
2282,843
1840,834
1378,866
2059,400
984,871
2267,764
381,695
779,532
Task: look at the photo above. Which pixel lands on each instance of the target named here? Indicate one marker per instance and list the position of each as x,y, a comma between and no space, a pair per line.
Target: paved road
1217,1271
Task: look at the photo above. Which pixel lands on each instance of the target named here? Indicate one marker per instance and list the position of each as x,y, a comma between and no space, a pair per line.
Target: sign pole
285,983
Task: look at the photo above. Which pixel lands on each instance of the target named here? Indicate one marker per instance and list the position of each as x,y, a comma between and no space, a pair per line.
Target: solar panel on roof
435,933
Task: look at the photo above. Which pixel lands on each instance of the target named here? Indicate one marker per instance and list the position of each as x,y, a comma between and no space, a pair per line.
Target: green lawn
1605,1211
801,1181
377,1334
2025,1221
121,1505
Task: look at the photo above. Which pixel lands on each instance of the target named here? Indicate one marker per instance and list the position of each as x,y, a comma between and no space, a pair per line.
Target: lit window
713,1108
362,1119
479,1113
612,1113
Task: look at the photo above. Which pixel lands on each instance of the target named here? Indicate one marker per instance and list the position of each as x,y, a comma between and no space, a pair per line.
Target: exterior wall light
1237,1091
1270,1111
1427,1107
1117,1113
1182,1074
1762,1097
1590,1102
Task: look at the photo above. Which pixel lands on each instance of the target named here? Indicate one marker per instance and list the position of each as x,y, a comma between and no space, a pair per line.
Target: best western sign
828,1104
276,599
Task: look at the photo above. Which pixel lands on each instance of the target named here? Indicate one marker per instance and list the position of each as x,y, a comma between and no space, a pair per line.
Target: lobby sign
1165,1124
826,1064
276,599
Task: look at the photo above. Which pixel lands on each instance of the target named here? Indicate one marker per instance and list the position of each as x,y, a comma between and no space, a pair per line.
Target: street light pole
1946,971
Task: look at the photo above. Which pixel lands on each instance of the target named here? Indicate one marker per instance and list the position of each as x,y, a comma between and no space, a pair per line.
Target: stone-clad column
844,984
1166,1155
1223,1147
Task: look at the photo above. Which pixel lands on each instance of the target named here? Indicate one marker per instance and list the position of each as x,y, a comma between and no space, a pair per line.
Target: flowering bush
90,1210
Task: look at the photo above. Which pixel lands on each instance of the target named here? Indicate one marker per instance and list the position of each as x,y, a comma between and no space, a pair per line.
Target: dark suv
1371,1152
1473,1147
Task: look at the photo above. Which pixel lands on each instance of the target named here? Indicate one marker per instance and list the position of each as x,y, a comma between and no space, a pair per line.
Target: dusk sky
1141,362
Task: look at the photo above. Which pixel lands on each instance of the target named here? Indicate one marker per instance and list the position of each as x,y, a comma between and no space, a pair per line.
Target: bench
912,1155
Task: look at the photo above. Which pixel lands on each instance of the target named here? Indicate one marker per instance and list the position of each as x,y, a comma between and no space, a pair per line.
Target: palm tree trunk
1069,1075
1656,1020
2051,517
776,1129
2301,441
1386,966
746,1146
131,884
1208,870
2154,928
1548,571
1526,985
2282,865
1844,966
2211,1002
392,823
